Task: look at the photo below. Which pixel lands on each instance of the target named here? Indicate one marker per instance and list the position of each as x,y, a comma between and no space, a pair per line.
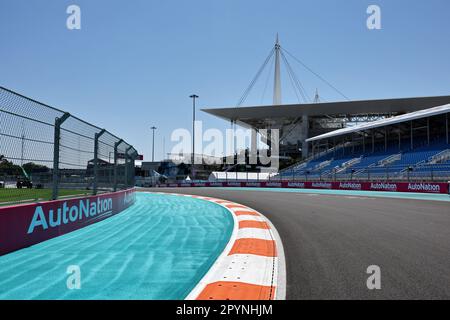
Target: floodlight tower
153,143
193,97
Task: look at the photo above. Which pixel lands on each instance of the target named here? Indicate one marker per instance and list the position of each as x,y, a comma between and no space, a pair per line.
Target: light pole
153,143
194,96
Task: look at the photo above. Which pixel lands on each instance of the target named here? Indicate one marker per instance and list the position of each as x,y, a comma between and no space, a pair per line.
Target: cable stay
293,85
316,74
297,82
267,79
255,79
301,93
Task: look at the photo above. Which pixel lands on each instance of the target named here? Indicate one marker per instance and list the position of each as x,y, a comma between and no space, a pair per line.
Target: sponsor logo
85,209
234,184
216,184
424,187
383,186
274,184
199,184
296,184
129,198
253,184
322,185
350,185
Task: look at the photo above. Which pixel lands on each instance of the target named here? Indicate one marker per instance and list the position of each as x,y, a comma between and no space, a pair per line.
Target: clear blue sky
134,63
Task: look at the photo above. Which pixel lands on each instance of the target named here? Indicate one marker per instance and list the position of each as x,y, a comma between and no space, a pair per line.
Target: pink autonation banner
24,225
422,187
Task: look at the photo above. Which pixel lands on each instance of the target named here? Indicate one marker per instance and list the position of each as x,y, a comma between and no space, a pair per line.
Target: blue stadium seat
416,158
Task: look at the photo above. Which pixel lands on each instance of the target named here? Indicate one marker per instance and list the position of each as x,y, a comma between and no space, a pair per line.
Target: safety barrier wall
421,187
24,225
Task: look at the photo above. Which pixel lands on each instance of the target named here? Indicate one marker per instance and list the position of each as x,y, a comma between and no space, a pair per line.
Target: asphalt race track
330,240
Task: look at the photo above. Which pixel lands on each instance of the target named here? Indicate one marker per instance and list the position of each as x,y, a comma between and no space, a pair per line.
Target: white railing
364,170
352,162
328,151
440,157
322,164
302,165
295,166
347,165
390,159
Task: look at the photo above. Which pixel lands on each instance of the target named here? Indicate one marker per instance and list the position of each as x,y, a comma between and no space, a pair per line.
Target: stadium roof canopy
251,115
385,122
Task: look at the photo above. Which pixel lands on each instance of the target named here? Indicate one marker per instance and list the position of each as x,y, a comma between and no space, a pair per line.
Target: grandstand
403,138
410,146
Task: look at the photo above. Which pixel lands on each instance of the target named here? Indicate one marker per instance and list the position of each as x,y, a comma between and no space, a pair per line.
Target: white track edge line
279,283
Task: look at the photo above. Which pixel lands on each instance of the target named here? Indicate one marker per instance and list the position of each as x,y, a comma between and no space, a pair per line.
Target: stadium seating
392,162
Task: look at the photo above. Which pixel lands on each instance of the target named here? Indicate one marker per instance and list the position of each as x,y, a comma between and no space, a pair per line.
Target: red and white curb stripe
252,265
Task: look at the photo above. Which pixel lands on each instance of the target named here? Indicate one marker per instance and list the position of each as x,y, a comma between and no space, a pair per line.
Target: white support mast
277,79
317,97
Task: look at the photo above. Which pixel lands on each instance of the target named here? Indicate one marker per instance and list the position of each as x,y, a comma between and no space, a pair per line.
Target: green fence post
56,144
116,145
95,184
127,169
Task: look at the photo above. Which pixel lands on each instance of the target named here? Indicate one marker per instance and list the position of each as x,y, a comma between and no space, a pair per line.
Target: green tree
7,167
32,167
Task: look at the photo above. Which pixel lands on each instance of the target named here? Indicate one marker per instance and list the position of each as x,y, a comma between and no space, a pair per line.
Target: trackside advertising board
24,225
422,187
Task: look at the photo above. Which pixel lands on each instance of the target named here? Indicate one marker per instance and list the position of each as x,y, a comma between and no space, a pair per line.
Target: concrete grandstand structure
395,139
299,122
413,145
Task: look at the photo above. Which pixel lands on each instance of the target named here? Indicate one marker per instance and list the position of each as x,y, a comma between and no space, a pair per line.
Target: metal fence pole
127,164
56,143
135,156
133,169
116,145
95,184
126,170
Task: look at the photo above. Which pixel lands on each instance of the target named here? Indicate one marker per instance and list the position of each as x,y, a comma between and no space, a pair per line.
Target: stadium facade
299,122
